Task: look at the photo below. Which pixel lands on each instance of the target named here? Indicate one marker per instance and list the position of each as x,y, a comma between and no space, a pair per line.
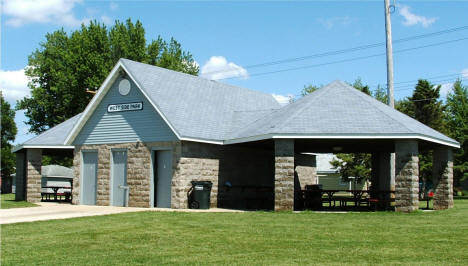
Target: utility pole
388,34
391,102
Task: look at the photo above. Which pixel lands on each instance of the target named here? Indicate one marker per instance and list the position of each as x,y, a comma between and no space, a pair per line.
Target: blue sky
224,35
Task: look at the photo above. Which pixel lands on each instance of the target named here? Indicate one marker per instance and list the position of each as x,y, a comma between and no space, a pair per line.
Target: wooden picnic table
56,189
358,197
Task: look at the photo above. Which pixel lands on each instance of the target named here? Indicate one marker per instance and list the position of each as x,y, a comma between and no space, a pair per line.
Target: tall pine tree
457,124
426,107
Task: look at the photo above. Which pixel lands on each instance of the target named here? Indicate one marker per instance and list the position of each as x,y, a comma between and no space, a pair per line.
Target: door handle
123,187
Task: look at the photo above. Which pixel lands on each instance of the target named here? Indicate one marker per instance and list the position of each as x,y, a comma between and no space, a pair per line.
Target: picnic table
369,198
56,194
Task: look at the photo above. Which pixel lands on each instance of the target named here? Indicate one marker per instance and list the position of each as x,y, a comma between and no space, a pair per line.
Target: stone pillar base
406,176
33,175
284,175
442,174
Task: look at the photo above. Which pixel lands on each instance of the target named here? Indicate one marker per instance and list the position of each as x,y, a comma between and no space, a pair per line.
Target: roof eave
342,136
45,146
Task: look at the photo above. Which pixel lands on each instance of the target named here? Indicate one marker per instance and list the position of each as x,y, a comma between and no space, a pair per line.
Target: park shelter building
149,132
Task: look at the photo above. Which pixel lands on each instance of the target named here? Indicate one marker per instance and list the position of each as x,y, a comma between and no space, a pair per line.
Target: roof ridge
194,76
310,97
372,101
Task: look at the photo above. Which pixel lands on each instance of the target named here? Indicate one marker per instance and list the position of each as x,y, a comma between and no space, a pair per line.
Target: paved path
52,211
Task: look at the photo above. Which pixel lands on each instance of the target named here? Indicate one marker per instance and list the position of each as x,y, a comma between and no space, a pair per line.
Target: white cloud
20,12
412,19
445,89
113,5
14,85
282,99
329,23
465,73
106,20
219,68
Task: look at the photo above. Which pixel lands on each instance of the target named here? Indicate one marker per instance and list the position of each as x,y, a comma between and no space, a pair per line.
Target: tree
66,65
358,85
424,105
428,109
357,165
309,89
405,106
457,124
8,131
380,94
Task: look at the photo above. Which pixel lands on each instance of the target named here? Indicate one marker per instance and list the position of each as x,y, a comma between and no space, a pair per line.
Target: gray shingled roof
197,107
53,137
201,109
339,109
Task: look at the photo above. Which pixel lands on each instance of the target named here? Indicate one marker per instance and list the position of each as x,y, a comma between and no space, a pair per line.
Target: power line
412,86
351,59
347,50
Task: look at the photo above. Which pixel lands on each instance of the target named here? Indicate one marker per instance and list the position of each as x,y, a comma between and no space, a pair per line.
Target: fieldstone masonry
33,175
197,162
406,176
138,170
306,169
442,173
284,174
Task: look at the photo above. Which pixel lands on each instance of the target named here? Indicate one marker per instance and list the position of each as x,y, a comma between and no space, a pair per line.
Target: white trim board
20,147
299,136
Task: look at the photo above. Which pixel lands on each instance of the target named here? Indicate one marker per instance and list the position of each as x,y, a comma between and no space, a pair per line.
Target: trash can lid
202,183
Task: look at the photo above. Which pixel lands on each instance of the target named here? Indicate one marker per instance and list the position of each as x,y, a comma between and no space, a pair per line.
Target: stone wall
242,176
306,170
197,162
138,170
406,176
443,178
284,174
33,175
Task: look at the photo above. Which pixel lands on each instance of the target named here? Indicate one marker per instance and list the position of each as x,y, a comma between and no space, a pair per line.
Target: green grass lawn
421,238
8,202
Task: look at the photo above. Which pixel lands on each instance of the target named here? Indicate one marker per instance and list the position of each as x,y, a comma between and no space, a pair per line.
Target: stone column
20,177
33,174
284,174
442,175
306,169
406,176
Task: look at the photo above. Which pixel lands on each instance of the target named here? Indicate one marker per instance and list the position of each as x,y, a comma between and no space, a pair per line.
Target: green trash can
200,195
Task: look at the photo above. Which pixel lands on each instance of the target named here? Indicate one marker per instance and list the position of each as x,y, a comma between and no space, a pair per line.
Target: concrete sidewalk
52,211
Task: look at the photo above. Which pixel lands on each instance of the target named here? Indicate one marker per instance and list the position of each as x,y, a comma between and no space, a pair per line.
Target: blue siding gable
144,125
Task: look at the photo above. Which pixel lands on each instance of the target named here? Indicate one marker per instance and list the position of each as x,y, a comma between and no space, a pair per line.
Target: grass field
8,201
421,238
